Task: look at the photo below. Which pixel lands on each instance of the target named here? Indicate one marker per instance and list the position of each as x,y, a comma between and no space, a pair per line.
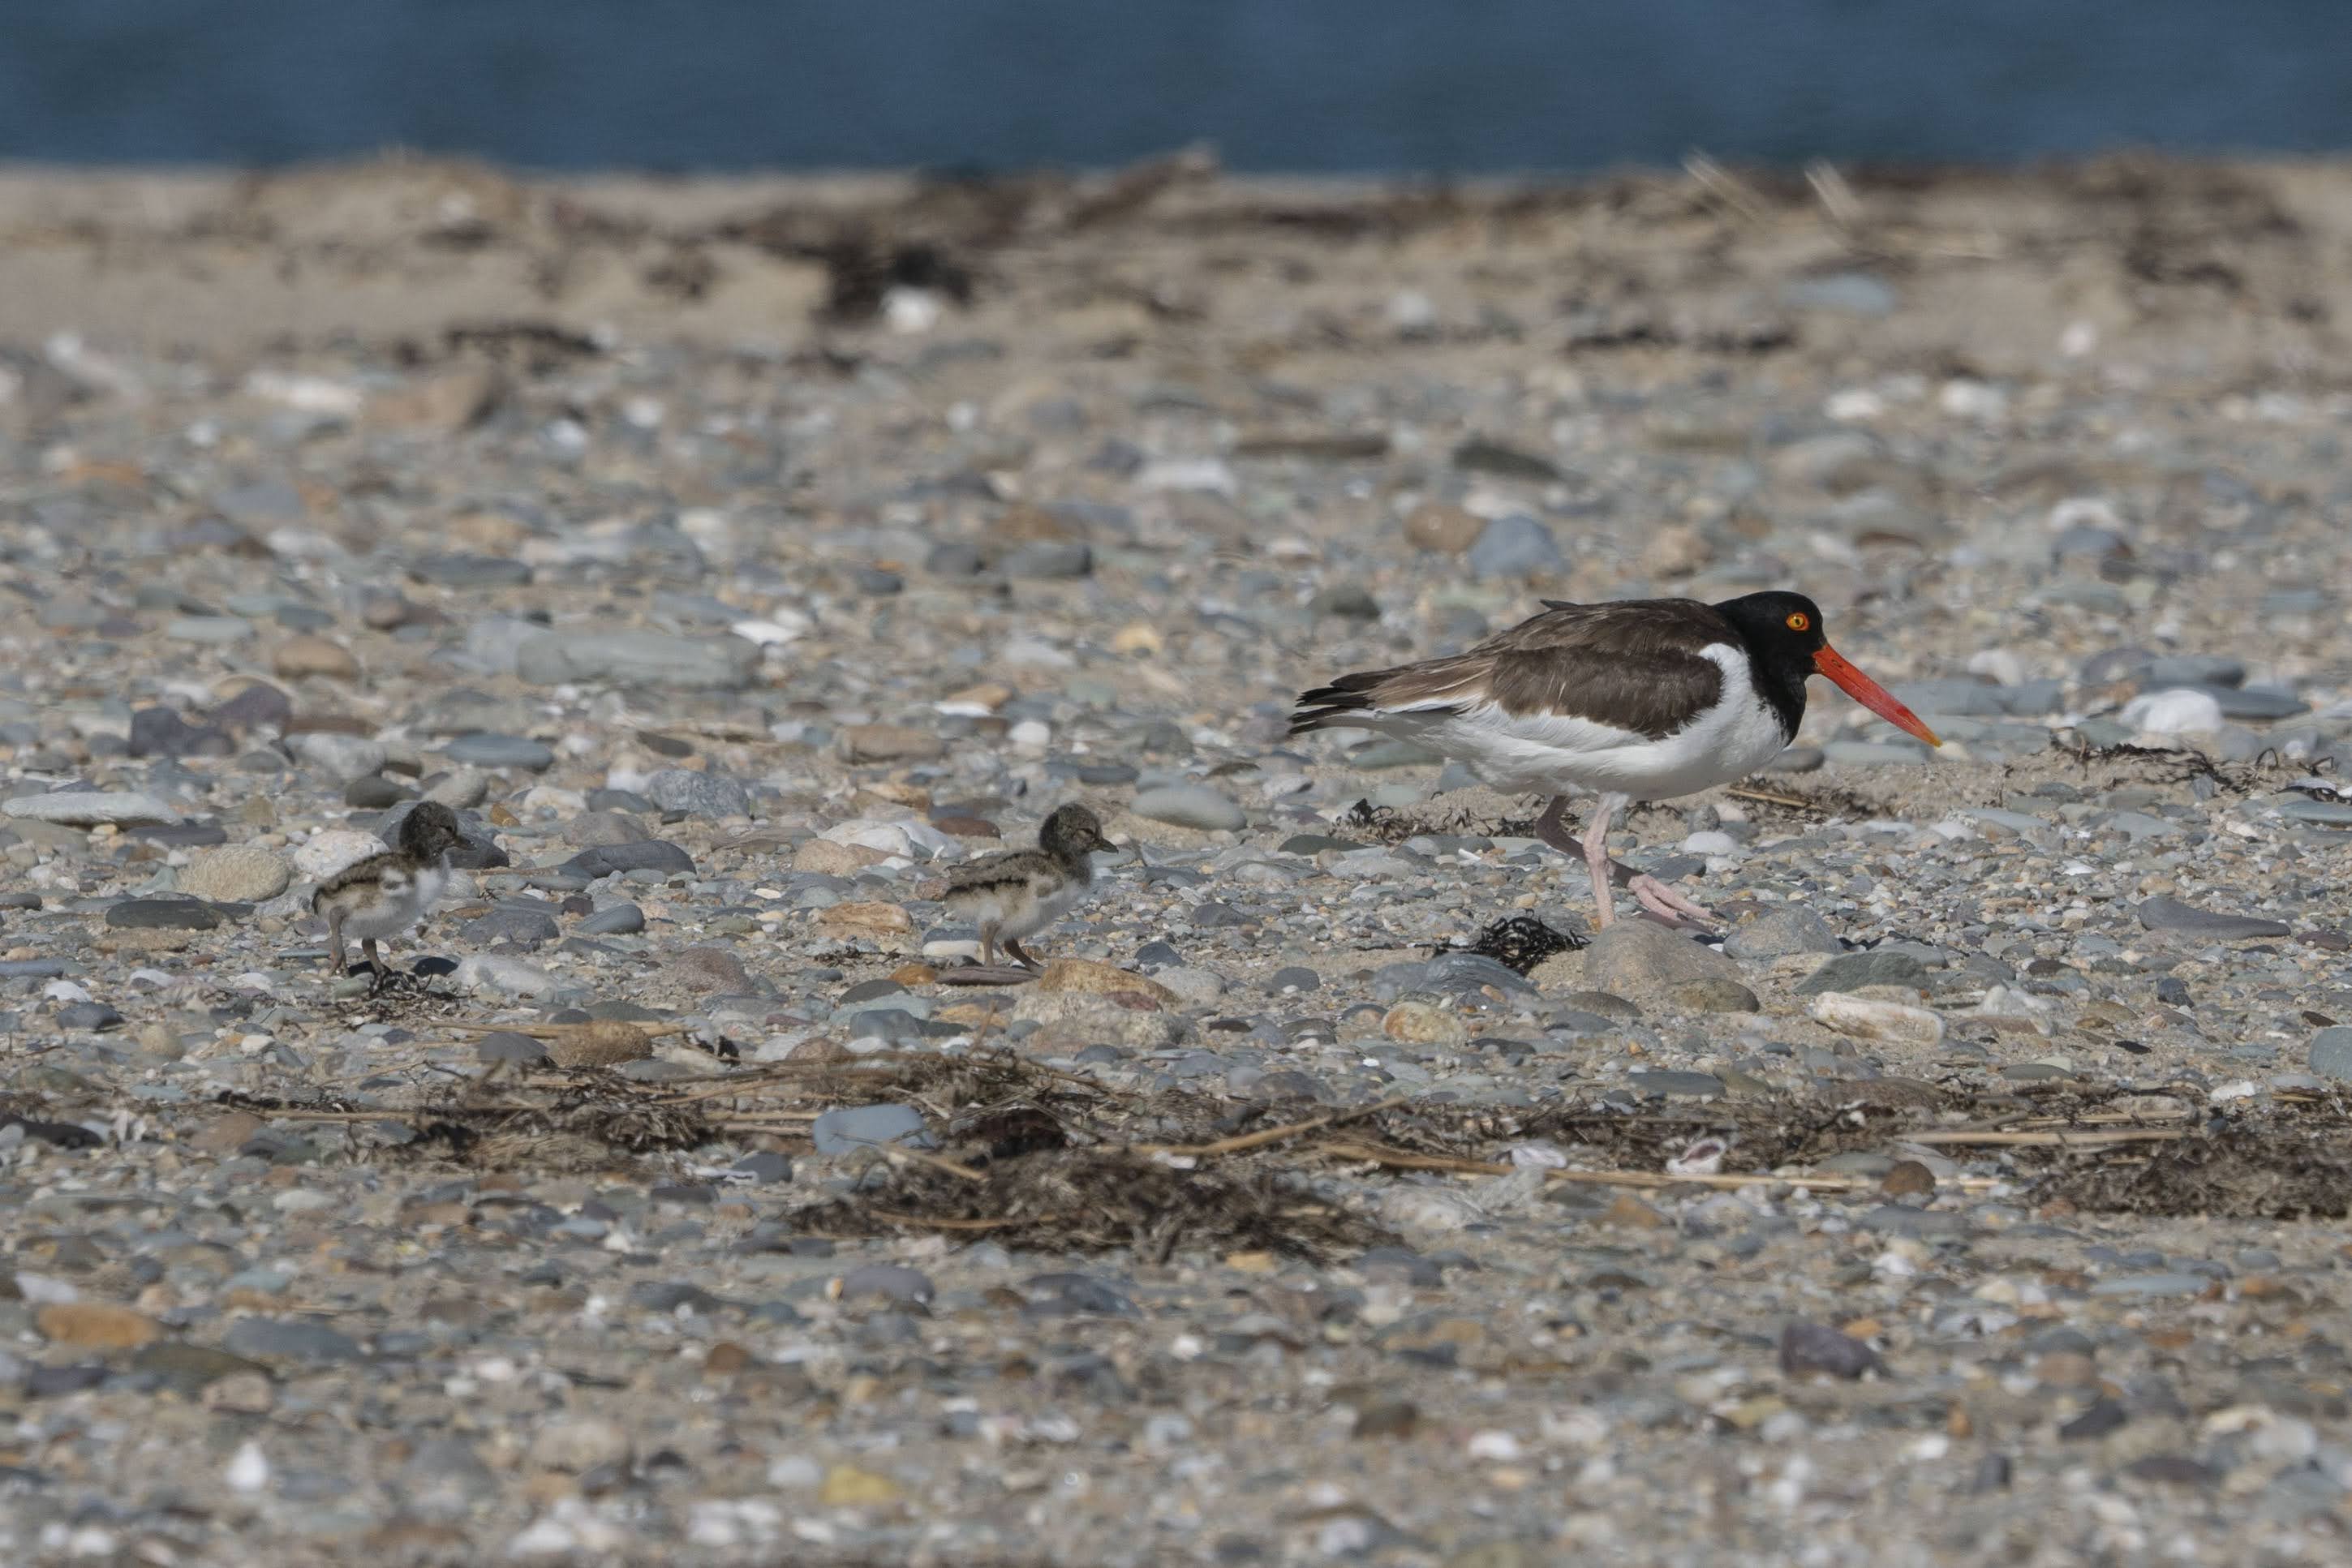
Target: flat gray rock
1851,971
1783,931
1189,805
481,749
164,914
2172,914
288,1338
638,658
699,793
2331,1053
1643,960
88,807
852,1127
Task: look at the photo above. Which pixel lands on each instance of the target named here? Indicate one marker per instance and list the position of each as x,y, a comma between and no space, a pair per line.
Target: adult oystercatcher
1640,699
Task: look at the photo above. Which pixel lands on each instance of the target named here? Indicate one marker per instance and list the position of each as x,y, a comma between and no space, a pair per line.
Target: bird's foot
1669,908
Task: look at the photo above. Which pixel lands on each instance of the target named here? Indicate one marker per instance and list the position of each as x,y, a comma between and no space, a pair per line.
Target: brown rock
829,859
1072,1020
1908,1179
706,968
726,1359
1627,1209
95,1326
1096,978
2066,1369
914,975
1676,551
307,655
890,743
1449,530
988,695
865,920
446,402
1645,961
1020,524
1417,1023
607,1042
226,1135
1381,1417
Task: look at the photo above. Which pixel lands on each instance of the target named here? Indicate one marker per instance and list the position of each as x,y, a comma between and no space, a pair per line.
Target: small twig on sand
916,1157
1837,197
1399,1159
1797,802
1240,1142
1718,182
2054,1139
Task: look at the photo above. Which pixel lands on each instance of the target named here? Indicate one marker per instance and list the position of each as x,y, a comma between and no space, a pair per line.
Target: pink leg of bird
1661,903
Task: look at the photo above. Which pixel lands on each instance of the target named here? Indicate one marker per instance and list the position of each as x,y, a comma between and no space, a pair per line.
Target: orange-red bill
1827,661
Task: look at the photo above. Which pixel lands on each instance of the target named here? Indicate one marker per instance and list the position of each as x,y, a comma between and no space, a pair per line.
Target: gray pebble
528,923
639,658
1048,560
613,920
699,793
1783,931
484,750
842,1131
2172,914
1189,805
888,1282
2331,1053
162,915
1807,1347
505,1045
1851,971
1514,545
765,1166
1680,1085
646,855
288,1338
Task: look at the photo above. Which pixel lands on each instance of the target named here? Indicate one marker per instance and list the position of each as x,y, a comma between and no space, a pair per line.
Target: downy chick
1015,892
387,893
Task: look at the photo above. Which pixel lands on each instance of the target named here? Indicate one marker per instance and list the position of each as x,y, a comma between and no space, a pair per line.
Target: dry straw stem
1243,1141
2098,1138
1399,1159
1796,802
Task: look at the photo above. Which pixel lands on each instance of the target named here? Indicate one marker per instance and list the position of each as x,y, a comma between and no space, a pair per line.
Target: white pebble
1498,1446
249,1470
2178,711
911,310
2002,664
1867,1017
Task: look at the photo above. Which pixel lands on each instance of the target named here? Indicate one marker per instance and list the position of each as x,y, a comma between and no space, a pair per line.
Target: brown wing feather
1006,868
1632,663
368,868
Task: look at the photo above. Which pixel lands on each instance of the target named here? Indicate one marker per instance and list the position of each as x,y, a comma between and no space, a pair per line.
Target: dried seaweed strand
1398,1159
2092,1139
1242,1142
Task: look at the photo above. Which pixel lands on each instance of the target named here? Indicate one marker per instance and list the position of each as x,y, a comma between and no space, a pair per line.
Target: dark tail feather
1332,704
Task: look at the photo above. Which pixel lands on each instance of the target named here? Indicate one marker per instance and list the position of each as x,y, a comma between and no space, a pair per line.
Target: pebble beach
736,556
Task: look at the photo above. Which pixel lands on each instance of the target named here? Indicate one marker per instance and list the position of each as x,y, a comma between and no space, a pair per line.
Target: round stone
307,655
236,873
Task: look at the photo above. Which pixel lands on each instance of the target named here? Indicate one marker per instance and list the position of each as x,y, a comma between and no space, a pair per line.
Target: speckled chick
1017,893
388,893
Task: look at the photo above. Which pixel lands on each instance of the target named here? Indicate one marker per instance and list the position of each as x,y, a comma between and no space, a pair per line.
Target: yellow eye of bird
1799,622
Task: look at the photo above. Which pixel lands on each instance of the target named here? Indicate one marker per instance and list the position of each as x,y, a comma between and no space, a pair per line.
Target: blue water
1429,86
